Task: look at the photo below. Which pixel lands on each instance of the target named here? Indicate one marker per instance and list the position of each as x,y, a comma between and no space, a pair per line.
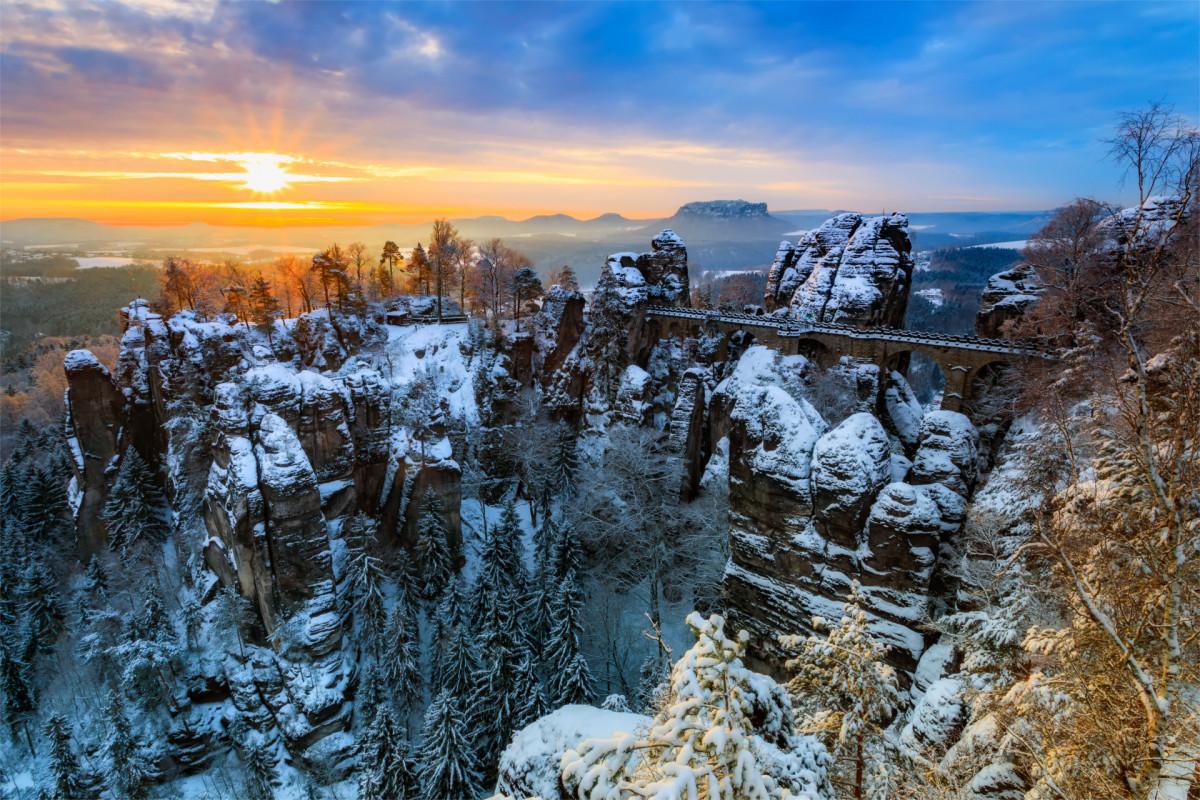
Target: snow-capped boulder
557,327
937,719
529,766
947,452
852,269
850,465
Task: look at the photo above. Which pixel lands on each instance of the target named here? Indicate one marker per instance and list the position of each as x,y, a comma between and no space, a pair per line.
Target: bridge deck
791,327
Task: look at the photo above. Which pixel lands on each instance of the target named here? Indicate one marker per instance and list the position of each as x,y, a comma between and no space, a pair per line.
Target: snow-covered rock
529,766
852,270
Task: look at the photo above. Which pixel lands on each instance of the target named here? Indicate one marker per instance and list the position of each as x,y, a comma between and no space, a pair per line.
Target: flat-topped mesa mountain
723,209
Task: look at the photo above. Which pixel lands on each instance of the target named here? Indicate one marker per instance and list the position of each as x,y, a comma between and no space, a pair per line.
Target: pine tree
531,699
401,660
447,754
193,619
459,665
264,307
18,695
704,742
45,513
845,684
495,701
564,463
570,677
95,580
568,556
431,548
260,772
387,770
130,768
41,604
364,579
502,562
68,779
133,511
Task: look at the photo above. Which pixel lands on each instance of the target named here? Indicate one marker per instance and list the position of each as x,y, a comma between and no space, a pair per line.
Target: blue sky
632,107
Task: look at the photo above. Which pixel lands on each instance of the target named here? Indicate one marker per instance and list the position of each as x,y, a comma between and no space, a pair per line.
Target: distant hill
720,234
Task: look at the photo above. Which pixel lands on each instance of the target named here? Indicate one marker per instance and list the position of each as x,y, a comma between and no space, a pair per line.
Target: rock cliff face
617,332
265,460
852,270
95,414
1005,299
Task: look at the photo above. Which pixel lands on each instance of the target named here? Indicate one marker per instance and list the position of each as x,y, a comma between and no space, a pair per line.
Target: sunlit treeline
489,278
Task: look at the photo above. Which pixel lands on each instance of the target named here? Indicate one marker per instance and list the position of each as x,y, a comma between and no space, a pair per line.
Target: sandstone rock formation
1005,299
852,270
95,413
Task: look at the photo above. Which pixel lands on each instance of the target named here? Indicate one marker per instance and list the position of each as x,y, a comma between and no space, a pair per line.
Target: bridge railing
791,327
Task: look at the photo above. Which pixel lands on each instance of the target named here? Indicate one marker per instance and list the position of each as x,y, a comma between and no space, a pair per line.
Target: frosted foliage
703,743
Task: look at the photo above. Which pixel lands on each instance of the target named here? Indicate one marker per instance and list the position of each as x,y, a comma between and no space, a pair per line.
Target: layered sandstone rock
1005,299
851,270
95,413
814,509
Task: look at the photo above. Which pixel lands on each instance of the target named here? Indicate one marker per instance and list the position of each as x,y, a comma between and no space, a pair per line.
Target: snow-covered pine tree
568,553
448,616
95,580
570,677
18,694
67,779
447,754
41,604
129,767
846,689
564,462
527,689
502,561
432,548
386,769
46,515
364,579
495,700
400,661
260,764
459,664
133,511
701,744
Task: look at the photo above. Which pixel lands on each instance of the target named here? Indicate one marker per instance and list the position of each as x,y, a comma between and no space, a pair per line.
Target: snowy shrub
704,743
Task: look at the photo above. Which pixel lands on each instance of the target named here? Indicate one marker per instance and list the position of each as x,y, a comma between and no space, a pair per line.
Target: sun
265,173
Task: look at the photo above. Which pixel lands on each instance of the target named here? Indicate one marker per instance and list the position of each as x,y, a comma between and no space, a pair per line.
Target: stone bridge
965,361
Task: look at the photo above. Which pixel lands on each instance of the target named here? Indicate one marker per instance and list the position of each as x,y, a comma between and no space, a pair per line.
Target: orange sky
180,111
285,187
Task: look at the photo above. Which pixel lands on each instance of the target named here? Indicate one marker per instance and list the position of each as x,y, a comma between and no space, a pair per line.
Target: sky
281,114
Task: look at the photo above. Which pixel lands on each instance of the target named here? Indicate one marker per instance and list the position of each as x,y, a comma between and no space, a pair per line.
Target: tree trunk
858,769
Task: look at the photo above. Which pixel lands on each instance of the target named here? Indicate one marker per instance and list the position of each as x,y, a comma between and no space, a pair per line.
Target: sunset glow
366,113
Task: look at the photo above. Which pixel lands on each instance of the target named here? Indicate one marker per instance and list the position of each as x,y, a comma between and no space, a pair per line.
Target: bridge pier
956,393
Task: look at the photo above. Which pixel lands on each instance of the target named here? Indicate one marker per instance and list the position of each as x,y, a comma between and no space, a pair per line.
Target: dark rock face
1005,299
618,332
96,410
852,270
557,326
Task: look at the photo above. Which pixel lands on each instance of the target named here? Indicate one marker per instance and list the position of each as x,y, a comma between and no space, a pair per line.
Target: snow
102,262
932,295
1016,244
82,359
937,716
440,351
529,765
852,459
